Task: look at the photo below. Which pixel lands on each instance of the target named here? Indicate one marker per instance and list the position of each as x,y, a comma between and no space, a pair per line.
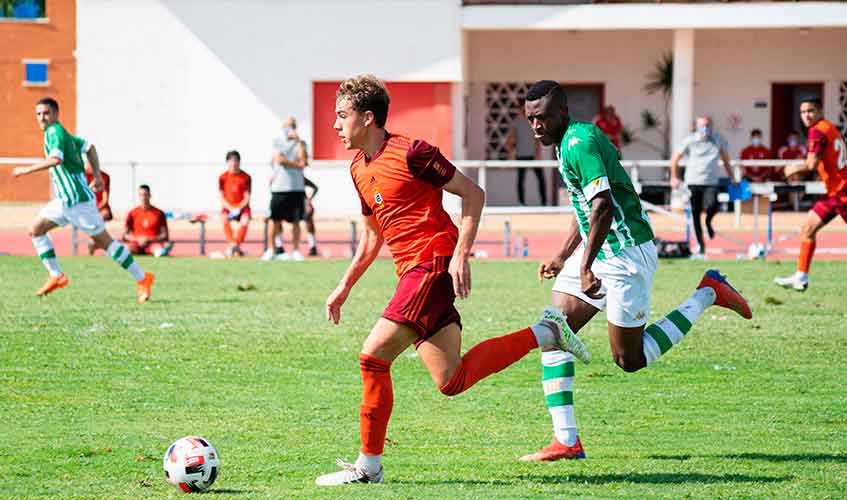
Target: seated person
102,198
795,150
757,151
234,186
146,229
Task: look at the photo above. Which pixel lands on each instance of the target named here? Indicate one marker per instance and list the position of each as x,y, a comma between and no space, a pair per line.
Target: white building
173,84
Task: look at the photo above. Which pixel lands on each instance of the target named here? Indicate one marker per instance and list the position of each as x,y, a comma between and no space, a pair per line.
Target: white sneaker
349,474
697,256
566,340
792,282
268,255
296,256
284,257
230,251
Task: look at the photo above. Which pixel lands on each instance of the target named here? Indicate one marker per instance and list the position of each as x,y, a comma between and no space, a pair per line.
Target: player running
400,182
827,153
607,261
74,201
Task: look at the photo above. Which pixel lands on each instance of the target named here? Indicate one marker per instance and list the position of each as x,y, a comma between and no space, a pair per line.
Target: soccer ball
191,464
756,251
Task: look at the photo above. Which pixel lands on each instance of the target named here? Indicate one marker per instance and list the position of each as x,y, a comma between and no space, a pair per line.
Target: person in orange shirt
610,123
400,182
101,197
235,185
826,153
757,151
146,228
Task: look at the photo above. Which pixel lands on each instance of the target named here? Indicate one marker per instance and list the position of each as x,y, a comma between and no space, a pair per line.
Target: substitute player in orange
828,154
235,185
146,228
400,182
101,197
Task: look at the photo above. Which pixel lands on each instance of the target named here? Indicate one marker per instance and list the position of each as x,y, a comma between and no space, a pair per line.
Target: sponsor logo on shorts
640,315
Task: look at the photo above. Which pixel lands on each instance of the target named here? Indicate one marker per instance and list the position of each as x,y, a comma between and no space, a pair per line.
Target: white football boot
792,281
268,255
566,340
349,474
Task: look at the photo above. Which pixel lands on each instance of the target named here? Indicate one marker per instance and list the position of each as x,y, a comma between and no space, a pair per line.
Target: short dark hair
366,93
144,187
790,132
543,88
233,154
48,101
813,100
756,131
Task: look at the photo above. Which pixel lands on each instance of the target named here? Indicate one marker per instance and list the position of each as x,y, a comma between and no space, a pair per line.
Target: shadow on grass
227,492
770,457
652,478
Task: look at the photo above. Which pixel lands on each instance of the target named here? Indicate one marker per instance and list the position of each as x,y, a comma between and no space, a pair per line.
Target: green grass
93,388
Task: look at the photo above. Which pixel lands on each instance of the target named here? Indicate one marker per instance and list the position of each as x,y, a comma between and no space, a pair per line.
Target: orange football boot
725,295
556,451
60,281
144,288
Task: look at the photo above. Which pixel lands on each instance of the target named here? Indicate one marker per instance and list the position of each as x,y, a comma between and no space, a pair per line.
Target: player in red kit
828,154
234,186
400,182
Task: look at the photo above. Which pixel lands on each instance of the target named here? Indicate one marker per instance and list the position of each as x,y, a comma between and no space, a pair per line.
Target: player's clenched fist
549,269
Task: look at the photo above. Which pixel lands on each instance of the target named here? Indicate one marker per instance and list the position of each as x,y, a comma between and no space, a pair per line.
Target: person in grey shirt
521,145
288,191
702,150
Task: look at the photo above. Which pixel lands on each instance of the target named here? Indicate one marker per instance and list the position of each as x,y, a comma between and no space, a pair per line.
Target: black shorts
289,206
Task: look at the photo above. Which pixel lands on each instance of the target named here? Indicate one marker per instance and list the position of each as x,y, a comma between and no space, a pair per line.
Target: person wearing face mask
288,192
794,150
702,151
757,151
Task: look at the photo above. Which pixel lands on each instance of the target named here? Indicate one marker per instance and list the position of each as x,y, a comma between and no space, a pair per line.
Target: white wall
734,68
186,80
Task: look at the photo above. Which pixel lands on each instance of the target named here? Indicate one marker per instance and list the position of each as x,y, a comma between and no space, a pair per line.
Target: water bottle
525,249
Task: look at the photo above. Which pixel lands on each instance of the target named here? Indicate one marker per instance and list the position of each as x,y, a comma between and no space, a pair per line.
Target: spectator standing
521,146
146,228
757,151
702,151
235,186
288,191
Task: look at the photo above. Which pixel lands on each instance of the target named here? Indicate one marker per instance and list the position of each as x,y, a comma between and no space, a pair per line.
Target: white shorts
83,216
626,280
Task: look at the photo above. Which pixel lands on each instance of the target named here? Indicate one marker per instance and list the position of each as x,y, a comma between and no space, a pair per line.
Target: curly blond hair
366,93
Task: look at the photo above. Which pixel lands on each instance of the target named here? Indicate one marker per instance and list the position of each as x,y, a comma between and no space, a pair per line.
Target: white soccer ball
756,251
191,464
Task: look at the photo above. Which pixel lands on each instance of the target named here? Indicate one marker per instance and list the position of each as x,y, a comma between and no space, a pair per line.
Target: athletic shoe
313,251
165,250
792,282
566,340
697,256
144,288
284,257
725,295
230,251
269,255
296,256
349,474
556,451
60,281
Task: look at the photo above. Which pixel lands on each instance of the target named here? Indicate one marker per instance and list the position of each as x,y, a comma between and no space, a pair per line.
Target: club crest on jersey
573,141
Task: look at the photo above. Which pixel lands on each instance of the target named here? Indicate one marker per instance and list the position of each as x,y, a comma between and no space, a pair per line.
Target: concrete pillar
682,100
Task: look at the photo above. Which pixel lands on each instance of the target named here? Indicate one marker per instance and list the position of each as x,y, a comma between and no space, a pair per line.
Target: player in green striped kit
73,202
607,261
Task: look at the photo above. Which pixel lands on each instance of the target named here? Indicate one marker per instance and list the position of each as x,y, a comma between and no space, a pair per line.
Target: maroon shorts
424,299
830,207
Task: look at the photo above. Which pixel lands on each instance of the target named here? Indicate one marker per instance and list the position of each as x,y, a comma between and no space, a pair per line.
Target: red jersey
106,183
234,186
797,152
402,187
611,128
147,223
825,140
757,153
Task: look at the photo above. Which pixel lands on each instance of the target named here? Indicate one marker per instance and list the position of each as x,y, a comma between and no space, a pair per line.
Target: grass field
93,388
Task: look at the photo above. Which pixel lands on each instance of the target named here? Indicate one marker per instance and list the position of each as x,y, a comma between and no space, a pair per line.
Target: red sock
489,357
377,401
228,232
241,235
807,250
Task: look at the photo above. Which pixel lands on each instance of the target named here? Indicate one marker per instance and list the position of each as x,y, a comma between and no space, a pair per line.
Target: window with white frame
35,72
23,9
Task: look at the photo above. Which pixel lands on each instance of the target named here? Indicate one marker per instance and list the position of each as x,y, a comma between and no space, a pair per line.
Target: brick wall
19,136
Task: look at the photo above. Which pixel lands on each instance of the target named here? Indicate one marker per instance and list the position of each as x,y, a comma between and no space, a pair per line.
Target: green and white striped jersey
68,177
589,164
